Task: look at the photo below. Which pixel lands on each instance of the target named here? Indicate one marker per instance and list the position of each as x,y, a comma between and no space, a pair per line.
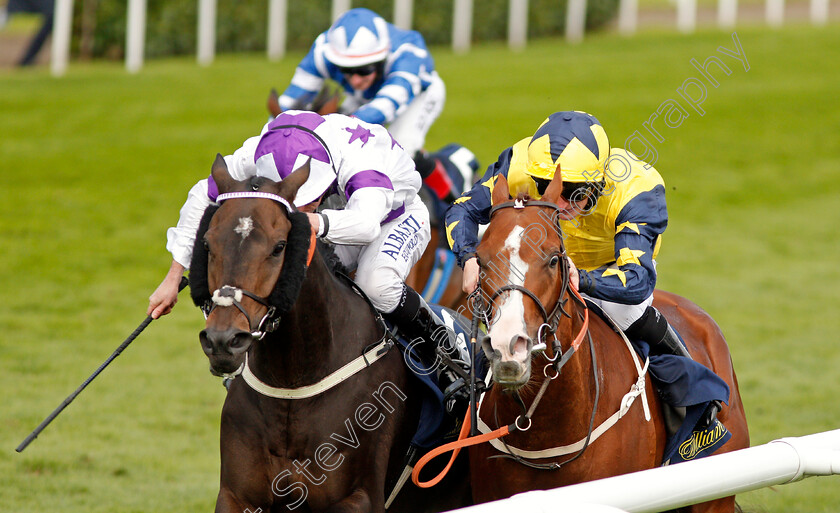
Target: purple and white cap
285,147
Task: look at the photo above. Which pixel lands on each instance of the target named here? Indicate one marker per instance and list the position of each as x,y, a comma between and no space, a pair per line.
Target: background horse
525,275
288,440
429,267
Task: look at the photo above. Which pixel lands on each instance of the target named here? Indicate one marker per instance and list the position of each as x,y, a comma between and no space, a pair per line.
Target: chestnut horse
322,416
590,416
452,296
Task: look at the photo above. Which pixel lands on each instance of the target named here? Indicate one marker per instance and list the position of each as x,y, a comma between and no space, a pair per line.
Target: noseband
232,296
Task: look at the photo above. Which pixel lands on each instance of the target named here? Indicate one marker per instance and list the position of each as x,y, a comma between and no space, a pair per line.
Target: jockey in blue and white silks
613,216
406,95
389,79
381,231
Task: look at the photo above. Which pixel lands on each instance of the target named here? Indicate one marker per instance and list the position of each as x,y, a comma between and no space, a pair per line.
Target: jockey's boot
653,328
710,415
431,337
435,176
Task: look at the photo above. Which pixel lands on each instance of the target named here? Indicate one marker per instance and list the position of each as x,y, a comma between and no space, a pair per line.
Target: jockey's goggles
573,192
363,71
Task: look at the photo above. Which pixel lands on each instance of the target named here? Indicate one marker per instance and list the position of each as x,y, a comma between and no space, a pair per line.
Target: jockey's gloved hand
435,176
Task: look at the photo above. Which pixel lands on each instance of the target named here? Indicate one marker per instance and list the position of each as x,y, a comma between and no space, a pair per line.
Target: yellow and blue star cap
576,141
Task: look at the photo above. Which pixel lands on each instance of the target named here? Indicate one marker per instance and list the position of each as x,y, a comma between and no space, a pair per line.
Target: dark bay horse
324,410
578,430
326,102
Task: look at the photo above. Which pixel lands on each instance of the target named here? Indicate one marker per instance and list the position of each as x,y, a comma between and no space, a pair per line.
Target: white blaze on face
510,321
246,225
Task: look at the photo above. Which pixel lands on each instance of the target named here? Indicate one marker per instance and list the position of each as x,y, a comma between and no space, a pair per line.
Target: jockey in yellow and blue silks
614,214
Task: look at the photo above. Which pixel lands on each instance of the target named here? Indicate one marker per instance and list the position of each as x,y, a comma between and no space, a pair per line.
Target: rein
370,354
551,321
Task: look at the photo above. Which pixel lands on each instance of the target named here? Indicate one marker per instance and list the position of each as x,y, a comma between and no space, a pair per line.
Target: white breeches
411,126
623,315
383,265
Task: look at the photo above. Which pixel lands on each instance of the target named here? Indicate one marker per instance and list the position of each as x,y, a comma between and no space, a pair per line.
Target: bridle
551,320
228,295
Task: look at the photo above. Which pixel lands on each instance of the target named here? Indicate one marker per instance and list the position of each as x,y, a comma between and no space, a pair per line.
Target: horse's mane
332,261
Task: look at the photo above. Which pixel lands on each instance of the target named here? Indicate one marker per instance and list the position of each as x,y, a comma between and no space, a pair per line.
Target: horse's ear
273,103
501,192
289,186
555,187
220,175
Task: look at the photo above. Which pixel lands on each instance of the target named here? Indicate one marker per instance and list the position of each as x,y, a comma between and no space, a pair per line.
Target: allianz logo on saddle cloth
702,443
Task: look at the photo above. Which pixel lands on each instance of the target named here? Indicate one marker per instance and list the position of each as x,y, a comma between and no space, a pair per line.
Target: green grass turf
96,165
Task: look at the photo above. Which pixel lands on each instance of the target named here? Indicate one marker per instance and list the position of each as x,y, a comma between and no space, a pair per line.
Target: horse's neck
574,389
308,343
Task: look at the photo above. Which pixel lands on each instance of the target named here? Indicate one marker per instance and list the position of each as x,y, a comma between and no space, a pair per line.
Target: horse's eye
278,248
554,261
206,245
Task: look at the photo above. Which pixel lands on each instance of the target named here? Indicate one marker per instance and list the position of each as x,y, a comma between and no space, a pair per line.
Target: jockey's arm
472,209
359,221
464,216
180,239
632,277
398,89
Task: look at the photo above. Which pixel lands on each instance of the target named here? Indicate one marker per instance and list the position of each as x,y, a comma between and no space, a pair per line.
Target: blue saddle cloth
435,423
685,383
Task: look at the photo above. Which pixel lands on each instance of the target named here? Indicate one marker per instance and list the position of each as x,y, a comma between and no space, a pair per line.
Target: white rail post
403,12
727,13
462,25
628,16
339,7
686,15
206,31
575,20
135,35
277,13
778,462
775,12
819,12
62,28
517,24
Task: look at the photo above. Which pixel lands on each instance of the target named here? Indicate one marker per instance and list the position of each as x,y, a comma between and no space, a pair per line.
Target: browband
256,194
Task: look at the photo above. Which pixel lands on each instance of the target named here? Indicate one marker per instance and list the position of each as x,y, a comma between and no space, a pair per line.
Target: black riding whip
33,435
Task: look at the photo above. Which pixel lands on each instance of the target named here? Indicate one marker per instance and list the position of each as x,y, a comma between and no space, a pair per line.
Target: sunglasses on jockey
363,71
573,192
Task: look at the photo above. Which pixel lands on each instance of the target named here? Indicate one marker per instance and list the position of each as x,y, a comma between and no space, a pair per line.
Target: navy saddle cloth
682,382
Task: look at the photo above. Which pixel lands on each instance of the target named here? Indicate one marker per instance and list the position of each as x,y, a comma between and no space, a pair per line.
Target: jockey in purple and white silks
381,232
388,76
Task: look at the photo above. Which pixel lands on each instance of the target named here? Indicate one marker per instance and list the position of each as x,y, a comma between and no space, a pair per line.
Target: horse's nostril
240,342
489,352
520,344
206,344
